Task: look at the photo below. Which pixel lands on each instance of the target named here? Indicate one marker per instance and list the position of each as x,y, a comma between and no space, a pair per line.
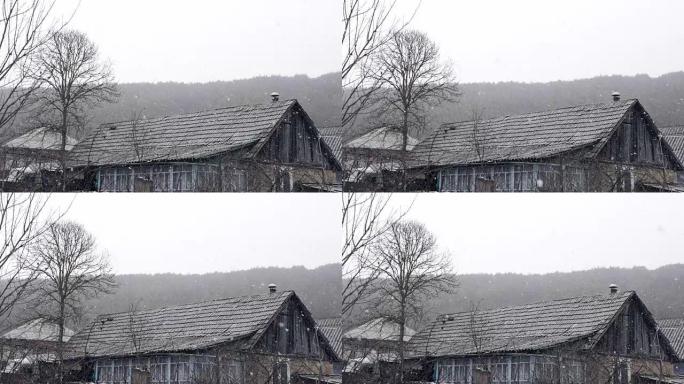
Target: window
281,373
453,371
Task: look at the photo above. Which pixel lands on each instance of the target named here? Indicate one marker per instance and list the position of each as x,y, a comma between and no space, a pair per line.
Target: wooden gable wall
293,333
636,141
633,334
296,142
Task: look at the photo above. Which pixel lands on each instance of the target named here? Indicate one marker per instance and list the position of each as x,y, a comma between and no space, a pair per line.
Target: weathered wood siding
631,334
292,333
295,142
636,141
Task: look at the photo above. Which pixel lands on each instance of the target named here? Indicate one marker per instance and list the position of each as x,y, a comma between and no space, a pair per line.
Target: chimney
275,96
616,96
272,288
613,289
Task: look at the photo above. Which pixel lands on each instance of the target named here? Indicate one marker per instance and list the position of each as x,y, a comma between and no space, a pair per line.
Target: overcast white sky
200,233
539,233
542,40
210,40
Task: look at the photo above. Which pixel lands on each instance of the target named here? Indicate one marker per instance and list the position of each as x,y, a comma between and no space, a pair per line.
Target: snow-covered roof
41,138
37,330
388,138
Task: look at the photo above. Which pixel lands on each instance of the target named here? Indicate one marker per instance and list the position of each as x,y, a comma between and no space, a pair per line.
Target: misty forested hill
662,96
320,97
319,288
661,289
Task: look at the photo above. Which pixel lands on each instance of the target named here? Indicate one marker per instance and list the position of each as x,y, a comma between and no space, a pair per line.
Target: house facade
370,350
31,162
600,147
593,339
28,351
375,161
264,147
270,339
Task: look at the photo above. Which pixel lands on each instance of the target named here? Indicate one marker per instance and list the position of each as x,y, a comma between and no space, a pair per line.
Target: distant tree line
661,289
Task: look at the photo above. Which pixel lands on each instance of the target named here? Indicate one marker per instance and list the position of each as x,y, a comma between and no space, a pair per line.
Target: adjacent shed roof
37,330
41,138
383,138
182,137
379,329
333,136
530,327
332,329
674,136
674,331
180,328
522,137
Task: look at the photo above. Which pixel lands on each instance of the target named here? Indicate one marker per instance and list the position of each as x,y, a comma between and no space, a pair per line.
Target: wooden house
265,147
375,160
674,331
370,350
268,338
609,338
31,161
28,351
600,147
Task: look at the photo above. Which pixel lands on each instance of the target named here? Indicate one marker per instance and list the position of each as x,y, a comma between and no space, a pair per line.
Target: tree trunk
60,344
402,322
404,145
63,151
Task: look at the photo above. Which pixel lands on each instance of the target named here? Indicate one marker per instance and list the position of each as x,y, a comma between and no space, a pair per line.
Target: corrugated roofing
187,136
332,136
528,327
673,329
674,136
521,137
332,329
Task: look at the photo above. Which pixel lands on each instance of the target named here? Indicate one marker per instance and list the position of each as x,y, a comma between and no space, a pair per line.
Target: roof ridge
283,294
621,294
624,102
282,103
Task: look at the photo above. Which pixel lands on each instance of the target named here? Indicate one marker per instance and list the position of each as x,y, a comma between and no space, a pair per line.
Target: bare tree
366,28
409,268
365,217
24,31
412,76
24,218
70,270
75,79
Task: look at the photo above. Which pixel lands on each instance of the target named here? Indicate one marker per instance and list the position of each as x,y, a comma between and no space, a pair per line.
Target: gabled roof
674,331
41,138
332,329
241,320
381,329
530,327
383,138
522,137
182,137
37,330
674,136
